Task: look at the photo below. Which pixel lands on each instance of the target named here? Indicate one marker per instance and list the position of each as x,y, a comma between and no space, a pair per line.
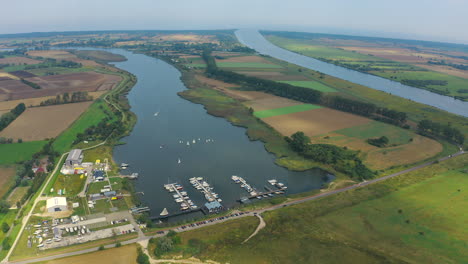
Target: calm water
254,40
231,153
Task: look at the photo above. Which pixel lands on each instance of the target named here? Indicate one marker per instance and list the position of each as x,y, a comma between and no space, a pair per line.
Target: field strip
285,110
312,85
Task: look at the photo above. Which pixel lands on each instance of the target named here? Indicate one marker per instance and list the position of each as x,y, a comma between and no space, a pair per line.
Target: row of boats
259,195
194,141
203,186
180,196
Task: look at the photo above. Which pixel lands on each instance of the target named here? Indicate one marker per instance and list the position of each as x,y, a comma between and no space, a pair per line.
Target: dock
160,217
139,210
204,187
180,196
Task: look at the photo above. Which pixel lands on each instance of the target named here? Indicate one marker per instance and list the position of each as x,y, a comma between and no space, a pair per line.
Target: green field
312,85
17,152
71,184
248,65
418,217
389,69
285,110
375,129
92,116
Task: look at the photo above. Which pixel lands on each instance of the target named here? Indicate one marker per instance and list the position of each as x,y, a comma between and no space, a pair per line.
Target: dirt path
260,226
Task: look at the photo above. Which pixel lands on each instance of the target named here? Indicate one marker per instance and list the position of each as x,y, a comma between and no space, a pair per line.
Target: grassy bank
403,219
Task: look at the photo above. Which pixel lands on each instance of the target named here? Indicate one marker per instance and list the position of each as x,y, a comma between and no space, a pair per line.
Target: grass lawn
71,184
17,194
374,129
285,110
96,187
418,217
247,65
17,152
312,85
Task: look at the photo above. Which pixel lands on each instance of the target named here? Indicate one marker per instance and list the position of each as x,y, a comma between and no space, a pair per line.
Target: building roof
213,205
74,154
56,201
110,193
98,173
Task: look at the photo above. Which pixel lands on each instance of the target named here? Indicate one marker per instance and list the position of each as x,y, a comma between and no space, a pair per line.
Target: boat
176,196
124,165
40,245
48,241
188,143
235,178
272,182
179,200
199,178
156,114
194,207
179,161
193,142
183,193
37,226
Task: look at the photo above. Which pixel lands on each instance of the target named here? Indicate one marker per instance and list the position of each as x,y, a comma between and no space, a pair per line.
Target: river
254,40
153,149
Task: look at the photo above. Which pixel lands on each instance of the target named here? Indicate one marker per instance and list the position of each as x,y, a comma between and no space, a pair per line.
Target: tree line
9,117
305,95
341,159
430,128
66,98
31,84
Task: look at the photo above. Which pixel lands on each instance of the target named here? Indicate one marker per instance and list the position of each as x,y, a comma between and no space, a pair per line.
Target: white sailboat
188,143
164,212
193,142
178,161
156,114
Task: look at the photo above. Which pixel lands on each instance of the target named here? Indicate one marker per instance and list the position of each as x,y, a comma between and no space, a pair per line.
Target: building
109,194
212,207
57,204
74,158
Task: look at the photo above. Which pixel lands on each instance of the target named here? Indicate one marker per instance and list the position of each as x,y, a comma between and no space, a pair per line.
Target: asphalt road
251,213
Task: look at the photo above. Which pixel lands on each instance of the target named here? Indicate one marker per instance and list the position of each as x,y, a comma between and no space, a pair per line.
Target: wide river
254,40
153,149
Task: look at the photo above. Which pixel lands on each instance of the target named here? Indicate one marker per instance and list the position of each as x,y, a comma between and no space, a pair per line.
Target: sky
438,20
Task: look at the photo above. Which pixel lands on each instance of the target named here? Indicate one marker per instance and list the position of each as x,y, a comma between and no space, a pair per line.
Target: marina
180,196
201,185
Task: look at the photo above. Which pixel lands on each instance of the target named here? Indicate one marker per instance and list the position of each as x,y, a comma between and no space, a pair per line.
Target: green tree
5,227
298,141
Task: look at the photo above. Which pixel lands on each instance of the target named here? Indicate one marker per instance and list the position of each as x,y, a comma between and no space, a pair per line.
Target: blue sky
440,20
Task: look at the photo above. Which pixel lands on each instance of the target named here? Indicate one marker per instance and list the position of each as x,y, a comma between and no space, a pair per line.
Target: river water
254,40
153,149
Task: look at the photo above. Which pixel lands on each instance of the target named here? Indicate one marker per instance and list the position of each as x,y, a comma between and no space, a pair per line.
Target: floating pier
201,185
139,210
180,196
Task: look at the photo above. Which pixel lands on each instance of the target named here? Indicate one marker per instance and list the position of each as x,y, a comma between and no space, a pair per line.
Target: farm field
122,255
18,60
17,152
99,55
399,64
247,65
401,220
62,55
312,85
57,84
328,126
38,123
285,110
6,176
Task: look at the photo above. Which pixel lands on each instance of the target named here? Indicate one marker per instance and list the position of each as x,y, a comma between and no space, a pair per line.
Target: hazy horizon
423,20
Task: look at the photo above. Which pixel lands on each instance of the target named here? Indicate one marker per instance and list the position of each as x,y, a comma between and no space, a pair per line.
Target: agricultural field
7,173
57,84
312,85
17,152
417,217
120,255
409,66
38,123
99,55
327,126
18,61
62,55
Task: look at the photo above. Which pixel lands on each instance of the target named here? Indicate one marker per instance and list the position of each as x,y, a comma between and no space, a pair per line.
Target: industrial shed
57,204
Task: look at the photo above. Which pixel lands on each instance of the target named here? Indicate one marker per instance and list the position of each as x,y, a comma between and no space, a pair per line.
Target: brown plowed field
57,84
18,60
5,175
314,122
43,122
61,55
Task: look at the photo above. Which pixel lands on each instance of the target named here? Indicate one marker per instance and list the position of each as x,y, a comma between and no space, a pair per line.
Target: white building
57,204
74,158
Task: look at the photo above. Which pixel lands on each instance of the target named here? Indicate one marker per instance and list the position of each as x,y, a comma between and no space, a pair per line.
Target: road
251,213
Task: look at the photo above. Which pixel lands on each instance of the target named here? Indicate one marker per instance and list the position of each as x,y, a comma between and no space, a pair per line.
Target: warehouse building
57,204
74,158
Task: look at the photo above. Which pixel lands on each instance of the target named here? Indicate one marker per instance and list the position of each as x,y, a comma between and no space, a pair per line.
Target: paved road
251,213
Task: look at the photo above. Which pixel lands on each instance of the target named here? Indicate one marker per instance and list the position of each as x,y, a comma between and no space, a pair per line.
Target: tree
4,206
298,141
5,227
142,258
6,244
